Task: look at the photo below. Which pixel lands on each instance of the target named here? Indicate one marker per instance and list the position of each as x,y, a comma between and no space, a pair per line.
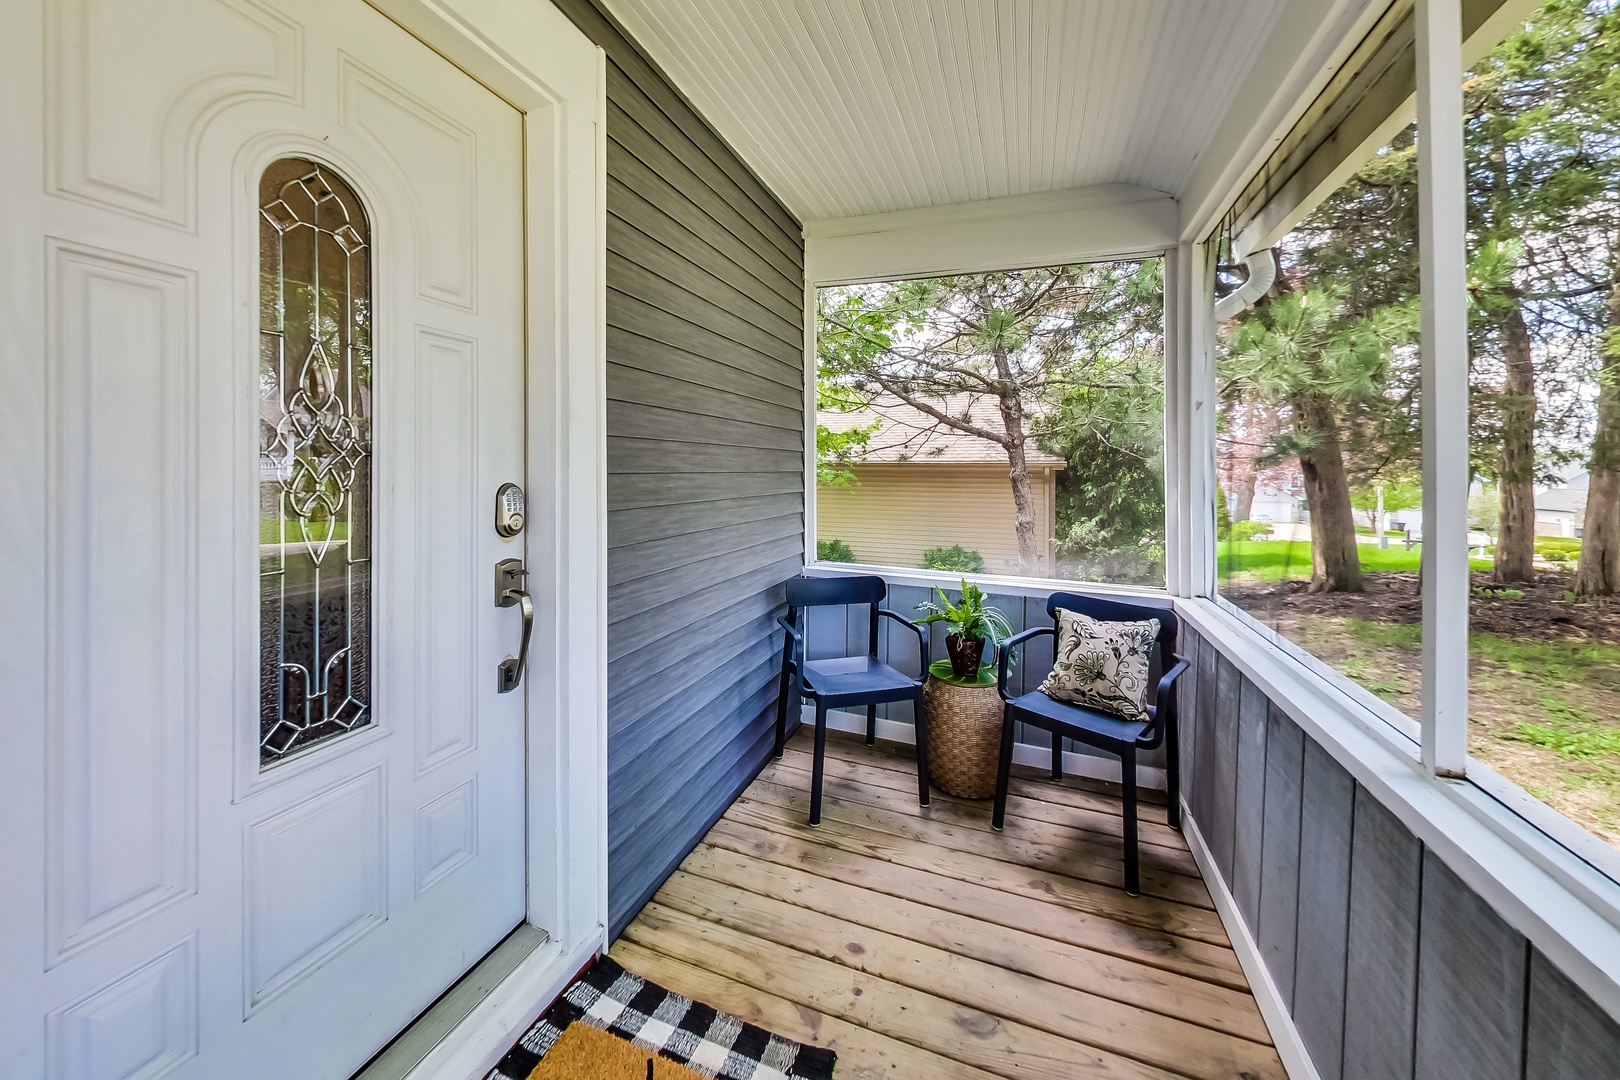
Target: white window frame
1108,223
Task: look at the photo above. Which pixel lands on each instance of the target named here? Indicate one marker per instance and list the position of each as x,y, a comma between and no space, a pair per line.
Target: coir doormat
706,1041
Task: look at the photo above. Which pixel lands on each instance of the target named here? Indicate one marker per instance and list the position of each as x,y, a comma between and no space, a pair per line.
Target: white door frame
535,58
532,55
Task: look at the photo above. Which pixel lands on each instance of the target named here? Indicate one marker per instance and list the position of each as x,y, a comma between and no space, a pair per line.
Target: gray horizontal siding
1390,965
705,461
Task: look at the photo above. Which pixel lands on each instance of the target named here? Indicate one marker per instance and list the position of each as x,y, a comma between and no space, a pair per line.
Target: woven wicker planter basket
964,734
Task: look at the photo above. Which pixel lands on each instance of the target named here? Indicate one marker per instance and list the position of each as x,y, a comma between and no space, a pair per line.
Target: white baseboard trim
1290,1047
1095,768
474,1046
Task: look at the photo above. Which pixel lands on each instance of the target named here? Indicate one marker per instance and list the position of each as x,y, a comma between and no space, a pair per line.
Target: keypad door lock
508,511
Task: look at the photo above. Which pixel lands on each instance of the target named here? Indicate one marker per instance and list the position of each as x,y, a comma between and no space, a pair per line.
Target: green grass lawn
1281,560
270,531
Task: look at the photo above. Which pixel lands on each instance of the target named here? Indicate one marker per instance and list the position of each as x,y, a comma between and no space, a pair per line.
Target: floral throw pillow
1102,665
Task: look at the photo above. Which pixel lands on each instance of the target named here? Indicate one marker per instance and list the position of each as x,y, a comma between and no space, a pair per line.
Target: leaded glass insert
315,405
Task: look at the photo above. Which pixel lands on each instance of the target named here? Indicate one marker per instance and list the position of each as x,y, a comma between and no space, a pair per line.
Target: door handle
509,592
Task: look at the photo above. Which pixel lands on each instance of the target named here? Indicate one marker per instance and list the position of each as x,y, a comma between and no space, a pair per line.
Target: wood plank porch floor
920,943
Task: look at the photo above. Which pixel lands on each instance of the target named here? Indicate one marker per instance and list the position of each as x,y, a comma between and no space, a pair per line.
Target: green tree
1019,339
1539,126
1110,497
1310,352
1560,77
1396,496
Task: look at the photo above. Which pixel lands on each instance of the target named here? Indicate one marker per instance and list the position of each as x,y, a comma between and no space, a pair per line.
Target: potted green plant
968,624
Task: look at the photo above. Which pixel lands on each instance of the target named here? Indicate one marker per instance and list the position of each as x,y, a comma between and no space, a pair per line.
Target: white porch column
1189,423
1442,224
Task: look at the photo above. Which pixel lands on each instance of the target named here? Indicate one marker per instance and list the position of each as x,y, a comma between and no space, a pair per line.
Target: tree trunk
1516,535
1599,571
1246,423
1012,420
1335,563
1029,548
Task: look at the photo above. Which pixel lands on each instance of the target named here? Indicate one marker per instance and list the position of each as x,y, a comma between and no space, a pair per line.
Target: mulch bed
1543,612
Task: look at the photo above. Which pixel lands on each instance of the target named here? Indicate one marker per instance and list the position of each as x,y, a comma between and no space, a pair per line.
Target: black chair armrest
1167,682
1006,651
922,638
797,638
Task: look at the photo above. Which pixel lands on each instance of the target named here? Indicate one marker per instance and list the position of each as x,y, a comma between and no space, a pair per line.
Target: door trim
552,74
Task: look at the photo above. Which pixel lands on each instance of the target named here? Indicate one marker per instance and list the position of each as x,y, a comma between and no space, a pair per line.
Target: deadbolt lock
508,511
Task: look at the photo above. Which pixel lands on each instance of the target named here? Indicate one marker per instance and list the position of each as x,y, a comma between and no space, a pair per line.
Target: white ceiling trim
1047,229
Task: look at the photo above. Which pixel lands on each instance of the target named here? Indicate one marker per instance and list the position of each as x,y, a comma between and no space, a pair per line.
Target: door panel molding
316,882
127,102
121,782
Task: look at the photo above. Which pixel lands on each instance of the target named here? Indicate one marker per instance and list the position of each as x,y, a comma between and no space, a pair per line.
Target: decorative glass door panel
315,403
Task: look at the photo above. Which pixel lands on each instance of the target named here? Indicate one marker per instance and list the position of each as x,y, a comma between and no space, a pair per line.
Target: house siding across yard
893,513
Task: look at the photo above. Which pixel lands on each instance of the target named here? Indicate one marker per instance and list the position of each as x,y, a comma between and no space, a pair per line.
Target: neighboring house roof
1568,500
910,435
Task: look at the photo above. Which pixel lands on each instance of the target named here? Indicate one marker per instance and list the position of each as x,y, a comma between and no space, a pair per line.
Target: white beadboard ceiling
853,107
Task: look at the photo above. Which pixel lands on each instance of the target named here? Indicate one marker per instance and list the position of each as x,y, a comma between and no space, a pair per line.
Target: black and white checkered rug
705,1040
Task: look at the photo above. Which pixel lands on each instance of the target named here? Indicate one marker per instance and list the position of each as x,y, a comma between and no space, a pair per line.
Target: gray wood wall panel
1278,925
1471,985
1249,800
1567,1037
1203,716
1326,823
1390,966
1187,716
705,461
1222,774
1380,989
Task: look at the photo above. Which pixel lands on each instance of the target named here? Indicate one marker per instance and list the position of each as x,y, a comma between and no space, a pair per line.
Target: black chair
1099,729
846,680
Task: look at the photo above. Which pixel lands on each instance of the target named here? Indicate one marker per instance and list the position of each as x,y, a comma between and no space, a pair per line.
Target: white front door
282,802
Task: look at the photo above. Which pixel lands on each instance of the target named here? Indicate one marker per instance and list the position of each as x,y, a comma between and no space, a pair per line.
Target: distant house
1561,510
920,485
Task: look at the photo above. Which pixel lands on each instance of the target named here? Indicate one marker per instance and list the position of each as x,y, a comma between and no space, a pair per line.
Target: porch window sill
1563,904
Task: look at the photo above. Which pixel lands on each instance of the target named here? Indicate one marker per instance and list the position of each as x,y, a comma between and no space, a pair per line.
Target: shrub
834,551
1558,550
1250,530
955,558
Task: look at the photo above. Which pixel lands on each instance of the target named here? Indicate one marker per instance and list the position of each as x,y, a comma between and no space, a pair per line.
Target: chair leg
1172,762
1057,756
920,720
816,768
1003,772
1127,776
871,725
